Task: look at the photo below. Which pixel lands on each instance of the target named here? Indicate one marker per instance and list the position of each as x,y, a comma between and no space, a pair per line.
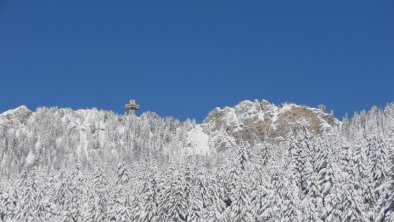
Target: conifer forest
93,165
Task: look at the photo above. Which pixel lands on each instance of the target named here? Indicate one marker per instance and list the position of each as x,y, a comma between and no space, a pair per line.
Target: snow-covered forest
91,165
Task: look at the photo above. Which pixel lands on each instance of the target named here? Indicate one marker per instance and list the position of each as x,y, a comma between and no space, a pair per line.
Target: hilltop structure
132,106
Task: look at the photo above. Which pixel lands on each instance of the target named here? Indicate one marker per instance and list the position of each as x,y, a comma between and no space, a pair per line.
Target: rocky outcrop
19,115
262,121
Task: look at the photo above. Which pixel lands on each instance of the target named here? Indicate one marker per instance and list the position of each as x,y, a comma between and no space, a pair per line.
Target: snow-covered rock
19,114
260,120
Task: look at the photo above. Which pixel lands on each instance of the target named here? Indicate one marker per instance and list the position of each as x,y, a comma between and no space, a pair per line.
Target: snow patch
30,159
198,141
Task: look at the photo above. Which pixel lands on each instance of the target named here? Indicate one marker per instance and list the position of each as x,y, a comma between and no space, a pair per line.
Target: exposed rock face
20,114
260,120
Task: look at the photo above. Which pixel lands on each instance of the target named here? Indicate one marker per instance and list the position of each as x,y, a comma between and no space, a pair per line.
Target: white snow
285,108
30,159
198,141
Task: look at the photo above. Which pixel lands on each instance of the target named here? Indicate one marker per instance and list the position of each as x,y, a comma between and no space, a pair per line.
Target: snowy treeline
347,175
55,138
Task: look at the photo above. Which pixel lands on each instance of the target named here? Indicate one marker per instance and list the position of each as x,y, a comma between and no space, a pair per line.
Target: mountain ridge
251,121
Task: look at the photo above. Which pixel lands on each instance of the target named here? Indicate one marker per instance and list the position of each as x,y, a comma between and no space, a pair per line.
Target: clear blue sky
183,58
